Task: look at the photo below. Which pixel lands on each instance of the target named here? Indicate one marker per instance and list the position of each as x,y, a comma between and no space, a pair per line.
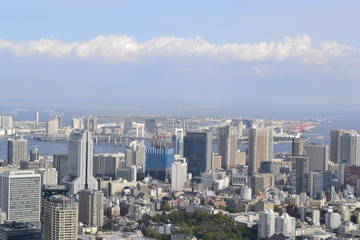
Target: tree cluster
203,225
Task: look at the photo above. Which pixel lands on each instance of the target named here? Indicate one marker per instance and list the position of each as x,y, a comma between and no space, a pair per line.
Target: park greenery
202,225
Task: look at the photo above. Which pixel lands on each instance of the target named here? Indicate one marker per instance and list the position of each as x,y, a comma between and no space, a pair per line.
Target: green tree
166,207
277,209
152,233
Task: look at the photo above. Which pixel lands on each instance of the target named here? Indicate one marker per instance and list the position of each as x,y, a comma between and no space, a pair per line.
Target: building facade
17,151
80,162
60,218
91,207
260,147
227,143
197,151
20,193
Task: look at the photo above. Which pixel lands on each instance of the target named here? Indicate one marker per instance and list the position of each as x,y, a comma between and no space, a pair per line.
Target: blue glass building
320,181
158,162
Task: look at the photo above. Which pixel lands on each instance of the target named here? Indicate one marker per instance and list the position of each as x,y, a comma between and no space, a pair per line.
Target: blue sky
278,52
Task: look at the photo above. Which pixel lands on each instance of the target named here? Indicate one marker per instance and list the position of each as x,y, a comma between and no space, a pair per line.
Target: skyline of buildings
179,120
149,169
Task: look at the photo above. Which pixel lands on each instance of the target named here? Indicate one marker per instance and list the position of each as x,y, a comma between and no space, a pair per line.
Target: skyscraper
227,143
49,176
318,156
345,146
238,124
135,154
260,147
106,164
188,125
76,123
266,226
178,142
151,125
60,218
80,162
300,168
319,182
20,193
335,145
298,146
178,174
158,162
91,207
197,151
285,224
90,123
60,163
6,122
128,124
52,126
350,148
17,151
315,217
34,154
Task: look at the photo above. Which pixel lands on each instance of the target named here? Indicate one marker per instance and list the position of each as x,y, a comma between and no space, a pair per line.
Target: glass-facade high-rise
158,162
320,181
197,151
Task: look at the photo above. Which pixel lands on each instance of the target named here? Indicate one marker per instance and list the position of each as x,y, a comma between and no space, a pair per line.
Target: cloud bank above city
122,48
247,53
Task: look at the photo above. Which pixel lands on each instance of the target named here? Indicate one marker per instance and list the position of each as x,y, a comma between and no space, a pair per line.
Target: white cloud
120,48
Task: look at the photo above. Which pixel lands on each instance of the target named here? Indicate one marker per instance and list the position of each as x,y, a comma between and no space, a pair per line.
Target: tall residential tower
260,147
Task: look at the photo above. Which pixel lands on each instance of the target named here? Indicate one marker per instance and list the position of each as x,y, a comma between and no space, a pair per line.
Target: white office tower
17,151
178,174
60,218
246,192
20,193
345,214
91,207
2,217
52,126
350,148
332,220
6,122
266,226
315,217
80,162
49,176
285,224
76,123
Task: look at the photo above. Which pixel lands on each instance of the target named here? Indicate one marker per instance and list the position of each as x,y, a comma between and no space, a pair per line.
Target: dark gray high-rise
60,162
151,125
34,154
197,151
17,151
300,168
